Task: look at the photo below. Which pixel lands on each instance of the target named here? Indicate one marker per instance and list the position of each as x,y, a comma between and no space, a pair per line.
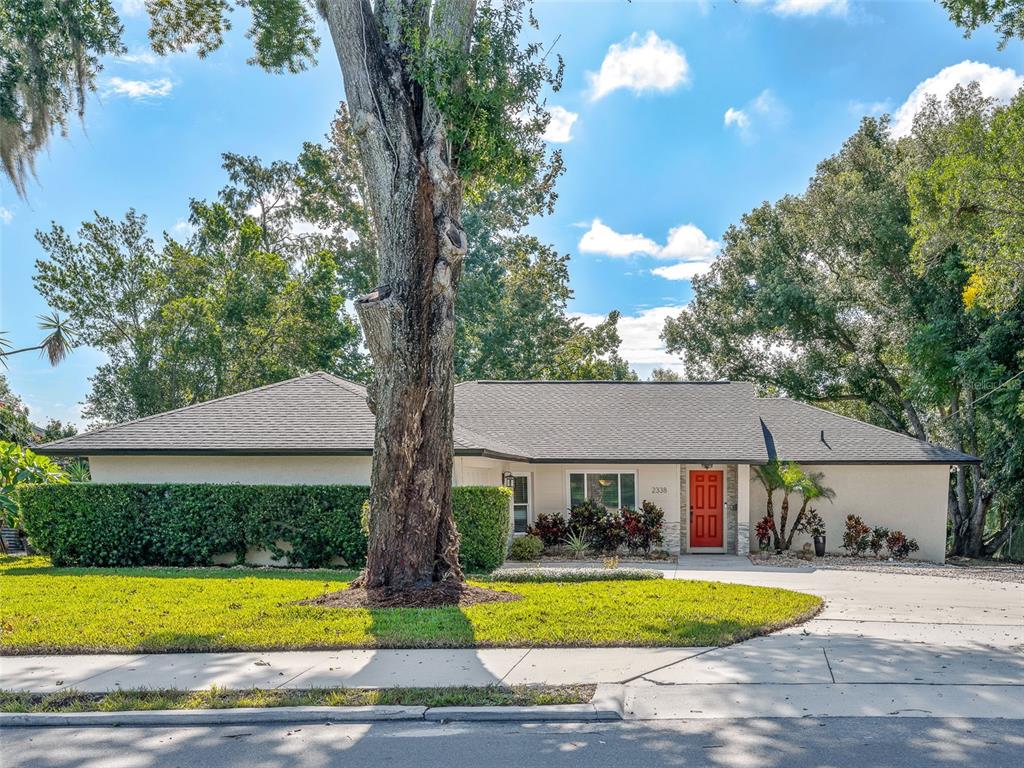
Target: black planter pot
819,546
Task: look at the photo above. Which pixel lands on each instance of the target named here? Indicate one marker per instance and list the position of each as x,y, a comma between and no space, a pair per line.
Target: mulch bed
428,597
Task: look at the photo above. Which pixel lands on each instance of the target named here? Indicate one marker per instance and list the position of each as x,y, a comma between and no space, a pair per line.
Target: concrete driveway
885,644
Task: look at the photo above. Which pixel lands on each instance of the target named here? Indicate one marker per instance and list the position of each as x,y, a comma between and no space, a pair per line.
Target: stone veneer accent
731,503
671,529
731,506
684,508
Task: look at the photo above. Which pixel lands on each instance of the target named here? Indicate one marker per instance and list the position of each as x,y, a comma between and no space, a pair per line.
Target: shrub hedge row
124,524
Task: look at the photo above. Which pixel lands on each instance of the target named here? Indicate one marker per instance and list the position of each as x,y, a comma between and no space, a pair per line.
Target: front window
520,503
615,490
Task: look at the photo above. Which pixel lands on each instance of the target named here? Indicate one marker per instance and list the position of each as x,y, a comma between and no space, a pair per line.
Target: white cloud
765,109
559,130
640,334
871,108
5,215
138,89
139,56
684,270
996,83
133,7
601,238
183,229
737,117
810,7
648,64
687,243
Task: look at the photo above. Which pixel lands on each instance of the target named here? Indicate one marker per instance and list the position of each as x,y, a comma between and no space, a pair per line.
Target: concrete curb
607,704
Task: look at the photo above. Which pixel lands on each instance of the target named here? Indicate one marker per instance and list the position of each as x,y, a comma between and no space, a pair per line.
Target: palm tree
811,489
56,345
791,478
770,475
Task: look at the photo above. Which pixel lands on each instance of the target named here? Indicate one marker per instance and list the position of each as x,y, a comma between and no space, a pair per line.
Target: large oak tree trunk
409,320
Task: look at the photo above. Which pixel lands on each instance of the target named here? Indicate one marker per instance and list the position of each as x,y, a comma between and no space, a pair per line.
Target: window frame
602,471
529,503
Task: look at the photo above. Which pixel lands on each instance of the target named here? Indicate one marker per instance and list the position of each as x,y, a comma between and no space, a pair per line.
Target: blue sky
674,119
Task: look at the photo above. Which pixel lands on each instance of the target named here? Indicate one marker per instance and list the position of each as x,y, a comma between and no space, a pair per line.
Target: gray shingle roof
615,421
581,421
317,413
795,431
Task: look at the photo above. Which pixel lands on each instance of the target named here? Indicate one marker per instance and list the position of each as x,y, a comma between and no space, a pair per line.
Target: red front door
706,508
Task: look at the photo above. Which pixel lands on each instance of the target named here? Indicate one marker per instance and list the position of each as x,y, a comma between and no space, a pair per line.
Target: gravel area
987,571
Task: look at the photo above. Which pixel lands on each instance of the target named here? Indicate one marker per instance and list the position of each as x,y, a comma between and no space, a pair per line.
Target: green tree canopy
968,192
15,426
825,297
1006,15
191,321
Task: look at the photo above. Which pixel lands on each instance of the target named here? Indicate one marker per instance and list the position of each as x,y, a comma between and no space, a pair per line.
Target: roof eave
67,451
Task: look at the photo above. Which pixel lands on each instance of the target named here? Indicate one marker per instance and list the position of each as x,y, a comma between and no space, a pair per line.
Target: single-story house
689,447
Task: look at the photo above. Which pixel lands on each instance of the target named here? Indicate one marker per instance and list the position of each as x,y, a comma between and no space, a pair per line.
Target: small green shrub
526,548
484,524
516,575
125,524
877,541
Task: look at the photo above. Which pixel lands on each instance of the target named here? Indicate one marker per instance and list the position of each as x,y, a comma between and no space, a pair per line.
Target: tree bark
781,542
409,319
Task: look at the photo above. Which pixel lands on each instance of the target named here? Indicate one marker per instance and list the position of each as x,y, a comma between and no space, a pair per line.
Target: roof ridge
338,381
594,381
141,419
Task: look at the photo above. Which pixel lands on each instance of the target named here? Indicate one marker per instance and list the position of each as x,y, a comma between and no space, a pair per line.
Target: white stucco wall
268,470
549,485
911,498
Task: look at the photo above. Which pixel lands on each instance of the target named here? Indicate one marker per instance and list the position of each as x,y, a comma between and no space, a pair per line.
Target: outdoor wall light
508,479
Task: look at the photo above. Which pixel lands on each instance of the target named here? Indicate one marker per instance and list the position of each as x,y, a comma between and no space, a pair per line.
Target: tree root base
442,594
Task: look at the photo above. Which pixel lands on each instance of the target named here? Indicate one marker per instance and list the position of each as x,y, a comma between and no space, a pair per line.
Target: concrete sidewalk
330,669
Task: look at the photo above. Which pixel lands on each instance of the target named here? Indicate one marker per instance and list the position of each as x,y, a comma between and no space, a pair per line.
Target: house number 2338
658,489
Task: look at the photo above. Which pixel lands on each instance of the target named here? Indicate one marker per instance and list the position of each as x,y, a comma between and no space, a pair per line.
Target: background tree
444,103
665,374
196,320
1006,15
820,297
968,192
15,426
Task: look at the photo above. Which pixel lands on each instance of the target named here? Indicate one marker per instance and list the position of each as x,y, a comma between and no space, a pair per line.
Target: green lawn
67,610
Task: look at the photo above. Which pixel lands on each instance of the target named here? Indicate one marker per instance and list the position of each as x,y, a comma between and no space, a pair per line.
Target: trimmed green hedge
123,524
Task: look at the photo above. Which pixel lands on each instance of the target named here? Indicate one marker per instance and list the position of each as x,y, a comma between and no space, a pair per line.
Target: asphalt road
793,743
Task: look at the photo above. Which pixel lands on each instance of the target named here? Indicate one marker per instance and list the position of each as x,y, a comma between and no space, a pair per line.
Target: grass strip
71,700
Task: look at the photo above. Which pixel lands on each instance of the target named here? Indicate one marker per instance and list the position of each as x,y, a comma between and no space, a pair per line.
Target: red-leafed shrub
763,532
552,529
643,527
899,545
856,537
